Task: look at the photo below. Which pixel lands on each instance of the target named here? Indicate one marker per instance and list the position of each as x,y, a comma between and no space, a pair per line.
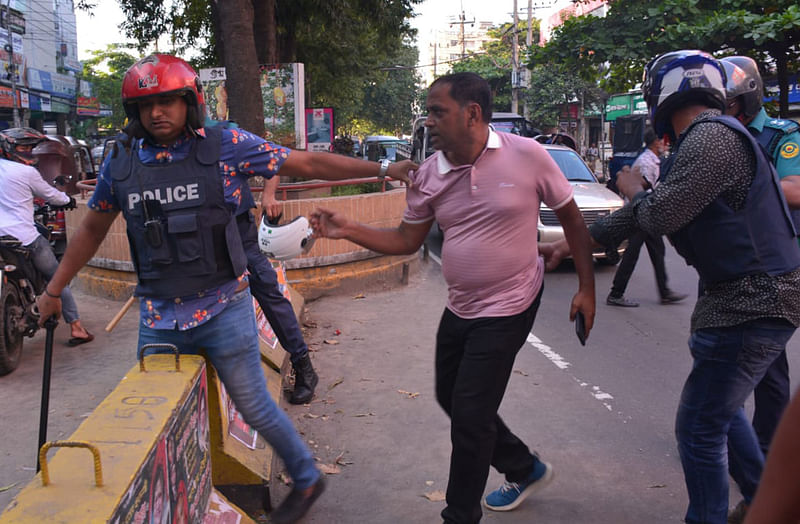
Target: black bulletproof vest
723,243
200,247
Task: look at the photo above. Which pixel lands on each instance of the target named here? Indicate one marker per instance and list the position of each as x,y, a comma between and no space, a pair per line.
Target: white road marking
562,364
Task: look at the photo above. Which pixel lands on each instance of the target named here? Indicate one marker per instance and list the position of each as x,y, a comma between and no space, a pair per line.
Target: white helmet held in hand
285,241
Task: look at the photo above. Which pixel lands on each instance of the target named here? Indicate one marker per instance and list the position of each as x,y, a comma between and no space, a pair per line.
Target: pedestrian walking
718,203
647,165
178,184
487,208
781,139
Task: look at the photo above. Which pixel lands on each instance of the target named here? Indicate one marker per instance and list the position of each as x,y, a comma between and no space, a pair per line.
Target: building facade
39,57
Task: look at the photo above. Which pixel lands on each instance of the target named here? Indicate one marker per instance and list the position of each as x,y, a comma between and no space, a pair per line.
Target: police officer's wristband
50,294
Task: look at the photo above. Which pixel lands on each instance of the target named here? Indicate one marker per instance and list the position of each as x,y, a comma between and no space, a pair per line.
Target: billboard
319,128
282,96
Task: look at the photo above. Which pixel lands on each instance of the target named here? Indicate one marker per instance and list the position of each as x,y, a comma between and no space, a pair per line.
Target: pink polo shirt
489,213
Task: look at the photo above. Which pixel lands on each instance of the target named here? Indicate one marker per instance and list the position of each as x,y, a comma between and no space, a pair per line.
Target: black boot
305,380
297,503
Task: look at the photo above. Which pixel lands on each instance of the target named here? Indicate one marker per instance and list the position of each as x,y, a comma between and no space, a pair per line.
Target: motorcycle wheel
11,312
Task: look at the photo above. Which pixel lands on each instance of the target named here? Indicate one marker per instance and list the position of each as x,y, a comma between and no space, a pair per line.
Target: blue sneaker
511,494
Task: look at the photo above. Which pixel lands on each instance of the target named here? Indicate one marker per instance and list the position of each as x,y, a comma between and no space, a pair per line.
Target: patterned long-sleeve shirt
713,161
243,155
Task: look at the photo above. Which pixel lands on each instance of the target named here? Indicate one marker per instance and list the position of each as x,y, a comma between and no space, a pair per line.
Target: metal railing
283,189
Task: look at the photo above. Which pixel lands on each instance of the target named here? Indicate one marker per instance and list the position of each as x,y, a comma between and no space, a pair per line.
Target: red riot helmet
160,74
17,144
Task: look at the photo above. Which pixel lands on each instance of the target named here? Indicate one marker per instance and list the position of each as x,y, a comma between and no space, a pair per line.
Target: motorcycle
20,284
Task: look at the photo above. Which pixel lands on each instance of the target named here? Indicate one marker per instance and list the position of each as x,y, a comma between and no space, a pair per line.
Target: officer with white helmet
720,204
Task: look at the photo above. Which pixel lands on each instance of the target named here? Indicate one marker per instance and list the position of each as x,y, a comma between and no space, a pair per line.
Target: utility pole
12,66
462,21
528,42
514,63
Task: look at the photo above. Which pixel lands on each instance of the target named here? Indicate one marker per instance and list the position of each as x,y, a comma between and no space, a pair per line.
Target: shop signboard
54,83
773,90
618,105
88,106
638,105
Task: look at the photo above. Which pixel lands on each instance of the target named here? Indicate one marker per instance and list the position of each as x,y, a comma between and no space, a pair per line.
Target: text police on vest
171,194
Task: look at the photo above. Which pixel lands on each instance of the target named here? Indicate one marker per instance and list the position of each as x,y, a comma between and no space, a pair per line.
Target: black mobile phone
580,327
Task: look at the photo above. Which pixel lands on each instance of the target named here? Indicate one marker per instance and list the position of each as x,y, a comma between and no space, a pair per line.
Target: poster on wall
174,483
282,95
319,128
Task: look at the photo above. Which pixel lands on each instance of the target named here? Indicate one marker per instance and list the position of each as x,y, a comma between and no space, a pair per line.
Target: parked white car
593,198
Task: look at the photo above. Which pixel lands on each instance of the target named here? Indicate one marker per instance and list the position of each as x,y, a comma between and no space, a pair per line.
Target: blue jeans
728,363
230,341
45,262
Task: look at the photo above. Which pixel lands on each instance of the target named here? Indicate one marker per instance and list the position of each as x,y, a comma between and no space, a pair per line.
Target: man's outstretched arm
401,240
330,166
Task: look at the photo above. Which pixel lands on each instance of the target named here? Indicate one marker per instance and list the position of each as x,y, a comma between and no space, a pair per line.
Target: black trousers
474,360
656,250
264,287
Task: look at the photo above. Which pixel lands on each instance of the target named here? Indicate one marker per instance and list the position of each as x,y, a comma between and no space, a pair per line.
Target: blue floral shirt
242,155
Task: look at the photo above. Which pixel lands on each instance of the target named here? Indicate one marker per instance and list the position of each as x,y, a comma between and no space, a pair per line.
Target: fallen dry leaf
329,469
429,483
658,486
311,415
331,341
6,488
434,496
309,324
408,393
360,295
521,372
370,414
336,383
341,460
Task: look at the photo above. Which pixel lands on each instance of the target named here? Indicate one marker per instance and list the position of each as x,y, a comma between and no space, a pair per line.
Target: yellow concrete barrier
151,435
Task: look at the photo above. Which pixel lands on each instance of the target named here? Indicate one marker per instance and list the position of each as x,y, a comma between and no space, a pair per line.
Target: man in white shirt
21,183
649,166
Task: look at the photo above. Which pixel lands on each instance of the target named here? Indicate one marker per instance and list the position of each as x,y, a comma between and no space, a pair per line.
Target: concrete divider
152,455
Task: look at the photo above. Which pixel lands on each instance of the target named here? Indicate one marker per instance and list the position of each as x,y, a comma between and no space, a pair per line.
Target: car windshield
506,127
571,165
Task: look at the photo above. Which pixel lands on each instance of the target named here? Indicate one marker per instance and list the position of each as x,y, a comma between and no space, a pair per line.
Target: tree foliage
614,49
552,89
494,62
343,43
105,71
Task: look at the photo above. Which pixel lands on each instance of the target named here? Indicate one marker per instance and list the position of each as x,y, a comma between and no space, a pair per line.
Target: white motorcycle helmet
285,241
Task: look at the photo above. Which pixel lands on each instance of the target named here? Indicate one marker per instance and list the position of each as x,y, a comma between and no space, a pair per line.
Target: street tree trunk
264,31
241,64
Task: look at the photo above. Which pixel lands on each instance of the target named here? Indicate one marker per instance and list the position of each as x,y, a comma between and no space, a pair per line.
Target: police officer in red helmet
178,185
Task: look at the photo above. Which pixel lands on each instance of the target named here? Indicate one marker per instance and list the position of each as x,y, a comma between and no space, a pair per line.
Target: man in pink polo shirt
484,190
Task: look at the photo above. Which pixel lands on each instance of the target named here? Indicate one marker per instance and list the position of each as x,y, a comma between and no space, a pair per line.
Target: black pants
656,250
264,287
474,360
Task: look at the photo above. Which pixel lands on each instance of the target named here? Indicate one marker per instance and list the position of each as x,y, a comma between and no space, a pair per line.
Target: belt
242,286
